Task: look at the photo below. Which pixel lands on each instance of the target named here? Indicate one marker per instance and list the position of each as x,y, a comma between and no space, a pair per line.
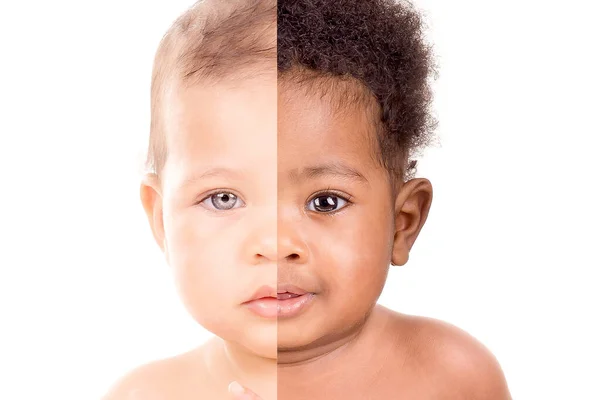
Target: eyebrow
209,173
330,169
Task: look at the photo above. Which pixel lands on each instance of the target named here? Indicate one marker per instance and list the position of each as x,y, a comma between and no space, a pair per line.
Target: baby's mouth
286,295
291,300
286,291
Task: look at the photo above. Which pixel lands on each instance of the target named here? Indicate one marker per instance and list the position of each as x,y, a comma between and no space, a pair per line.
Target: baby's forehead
206,120
221,122
209,98
325,130
340,96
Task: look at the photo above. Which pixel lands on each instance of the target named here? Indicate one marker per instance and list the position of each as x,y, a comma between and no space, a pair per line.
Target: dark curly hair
378,44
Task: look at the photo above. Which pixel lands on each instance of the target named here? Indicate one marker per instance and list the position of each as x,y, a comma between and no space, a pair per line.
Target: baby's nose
290,247
265,248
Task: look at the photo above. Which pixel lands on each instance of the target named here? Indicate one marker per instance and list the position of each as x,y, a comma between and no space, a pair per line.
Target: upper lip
287,288
264,291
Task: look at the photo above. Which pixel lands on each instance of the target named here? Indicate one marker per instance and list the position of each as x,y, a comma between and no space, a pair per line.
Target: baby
211,197
280,199
353,106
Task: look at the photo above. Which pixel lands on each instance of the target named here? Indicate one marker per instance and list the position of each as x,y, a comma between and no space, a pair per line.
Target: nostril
293,257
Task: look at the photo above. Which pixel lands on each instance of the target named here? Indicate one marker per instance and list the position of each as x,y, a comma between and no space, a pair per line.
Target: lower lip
291,307
265,307
269,307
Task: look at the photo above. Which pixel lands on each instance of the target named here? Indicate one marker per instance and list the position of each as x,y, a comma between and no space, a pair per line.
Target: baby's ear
410,213
151,196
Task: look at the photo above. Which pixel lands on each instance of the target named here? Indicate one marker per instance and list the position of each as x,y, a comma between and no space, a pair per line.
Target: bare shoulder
157,380
451,359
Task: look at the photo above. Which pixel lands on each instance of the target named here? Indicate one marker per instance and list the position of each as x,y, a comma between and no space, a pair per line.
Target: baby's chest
354,392
190,385
386,384
197,392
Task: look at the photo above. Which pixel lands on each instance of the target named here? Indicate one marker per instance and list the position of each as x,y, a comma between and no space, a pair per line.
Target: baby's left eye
326,203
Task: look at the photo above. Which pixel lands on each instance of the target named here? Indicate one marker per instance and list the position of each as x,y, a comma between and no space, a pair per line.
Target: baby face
219,201
335,220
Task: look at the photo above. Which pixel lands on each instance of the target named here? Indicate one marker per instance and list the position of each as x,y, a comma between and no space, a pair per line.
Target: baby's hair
371,52
213,41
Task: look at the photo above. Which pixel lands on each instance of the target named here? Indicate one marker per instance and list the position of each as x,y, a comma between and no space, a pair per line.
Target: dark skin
338,233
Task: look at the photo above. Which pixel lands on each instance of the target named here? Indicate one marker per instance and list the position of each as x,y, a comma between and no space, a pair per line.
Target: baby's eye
222,201
327,203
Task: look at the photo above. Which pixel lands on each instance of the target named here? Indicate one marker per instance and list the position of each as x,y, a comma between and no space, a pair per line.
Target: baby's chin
259,339
290,338
261,342
301,337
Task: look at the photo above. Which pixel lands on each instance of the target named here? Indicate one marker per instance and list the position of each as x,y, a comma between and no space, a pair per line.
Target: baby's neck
246,364
228,361
348,350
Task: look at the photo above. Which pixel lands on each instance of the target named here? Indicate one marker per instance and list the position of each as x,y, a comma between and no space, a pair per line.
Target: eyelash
332,193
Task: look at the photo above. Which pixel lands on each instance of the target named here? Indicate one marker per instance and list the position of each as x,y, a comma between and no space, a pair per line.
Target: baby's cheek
213,280
199,273
361,273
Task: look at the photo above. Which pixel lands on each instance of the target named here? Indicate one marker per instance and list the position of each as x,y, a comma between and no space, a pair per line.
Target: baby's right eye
222,201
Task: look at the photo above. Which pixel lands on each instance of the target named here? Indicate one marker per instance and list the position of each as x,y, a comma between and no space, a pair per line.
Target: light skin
213,212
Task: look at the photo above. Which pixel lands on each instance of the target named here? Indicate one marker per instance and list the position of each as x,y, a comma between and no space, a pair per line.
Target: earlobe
399,252
151,197
411,210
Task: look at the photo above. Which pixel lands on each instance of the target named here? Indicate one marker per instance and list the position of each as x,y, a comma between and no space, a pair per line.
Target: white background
509,252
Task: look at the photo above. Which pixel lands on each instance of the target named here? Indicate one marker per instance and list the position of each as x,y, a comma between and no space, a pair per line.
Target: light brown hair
213,41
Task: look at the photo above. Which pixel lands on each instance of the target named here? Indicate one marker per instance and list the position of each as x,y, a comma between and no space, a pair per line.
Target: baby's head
210,194
353,108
